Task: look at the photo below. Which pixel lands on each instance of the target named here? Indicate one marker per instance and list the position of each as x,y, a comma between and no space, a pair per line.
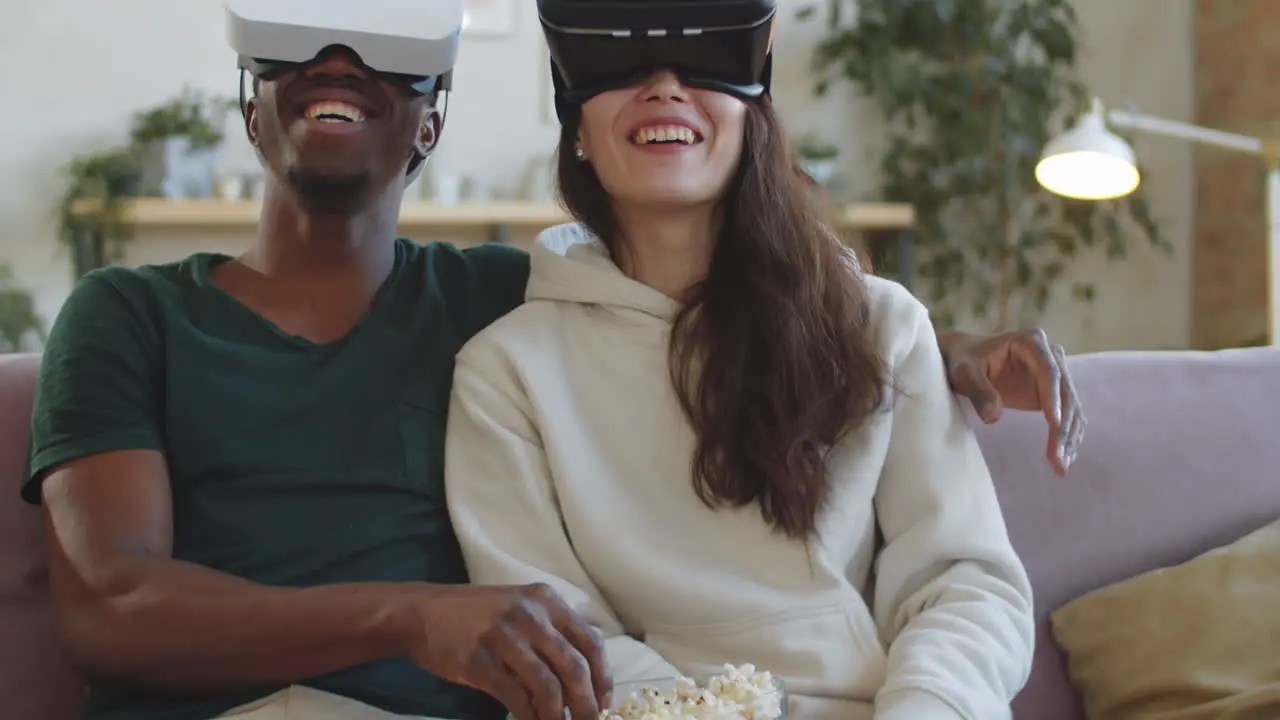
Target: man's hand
522,645
1022,371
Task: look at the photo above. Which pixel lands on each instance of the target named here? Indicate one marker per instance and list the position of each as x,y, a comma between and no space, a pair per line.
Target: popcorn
739,693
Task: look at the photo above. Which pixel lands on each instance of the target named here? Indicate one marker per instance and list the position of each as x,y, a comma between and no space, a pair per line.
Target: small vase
822,171
172,168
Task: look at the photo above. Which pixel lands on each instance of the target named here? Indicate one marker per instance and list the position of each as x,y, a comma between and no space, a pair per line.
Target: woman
720,442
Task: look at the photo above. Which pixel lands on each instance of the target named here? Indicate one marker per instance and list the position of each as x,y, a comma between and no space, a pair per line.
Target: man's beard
330,194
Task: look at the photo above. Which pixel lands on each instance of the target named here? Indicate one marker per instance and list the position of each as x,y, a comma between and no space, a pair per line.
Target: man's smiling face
337,134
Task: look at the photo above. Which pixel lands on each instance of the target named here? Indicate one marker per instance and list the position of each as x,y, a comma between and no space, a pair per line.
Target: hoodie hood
570,264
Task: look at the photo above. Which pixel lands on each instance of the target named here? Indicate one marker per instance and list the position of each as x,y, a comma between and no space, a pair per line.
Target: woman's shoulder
890,297
516,334
894,317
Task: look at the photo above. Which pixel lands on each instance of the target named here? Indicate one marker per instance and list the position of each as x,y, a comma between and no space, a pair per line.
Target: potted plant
178,142
19,323
971,92
91,213
818,158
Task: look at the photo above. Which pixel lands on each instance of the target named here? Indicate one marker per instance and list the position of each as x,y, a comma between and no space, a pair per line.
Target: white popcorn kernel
630,706
687,688
763,680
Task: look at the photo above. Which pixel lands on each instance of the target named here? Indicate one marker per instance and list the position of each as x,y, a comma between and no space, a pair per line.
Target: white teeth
665,133
333,111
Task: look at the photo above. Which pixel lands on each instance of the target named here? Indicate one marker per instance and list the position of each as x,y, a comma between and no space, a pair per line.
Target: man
240,458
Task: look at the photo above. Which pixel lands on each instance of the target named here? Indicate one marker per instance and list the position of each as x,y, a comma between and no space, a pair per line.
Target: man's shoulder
143,278
139,291
477,284
497,258
503,269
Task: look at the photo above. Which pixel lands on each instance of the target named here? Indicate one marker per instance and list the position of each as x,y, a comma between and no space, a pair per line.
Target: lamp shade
1088,162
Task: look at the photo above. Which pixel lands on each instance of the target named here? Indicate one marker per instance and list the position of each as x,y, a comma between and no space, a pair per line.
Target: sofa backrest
35,680
1180,456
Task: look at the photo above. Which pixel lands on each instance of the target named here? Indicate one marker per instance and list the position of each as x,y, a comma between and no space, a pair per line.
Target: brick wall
1237,89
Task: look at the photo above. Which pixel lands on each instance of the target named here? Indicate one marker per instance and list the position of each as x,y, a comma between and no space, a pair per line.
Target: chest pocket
422,431
422,412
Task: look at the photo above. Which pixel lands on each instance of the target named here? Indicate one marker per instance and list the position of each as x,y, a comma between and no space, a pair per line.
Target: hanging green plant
92,220
91,214
971,91
20,325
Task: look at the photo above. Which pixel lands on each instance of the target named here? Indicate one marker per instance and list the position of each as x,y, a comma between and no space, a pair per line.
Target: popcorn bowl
737,693
768,704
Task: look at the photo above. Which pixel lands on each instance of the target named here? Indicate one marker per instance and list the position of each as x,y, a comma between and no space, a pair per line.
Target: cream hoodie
568,463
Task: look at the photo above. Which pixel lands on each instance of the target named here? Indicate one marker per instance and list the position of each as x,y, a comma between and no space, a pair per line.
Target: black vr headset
602,45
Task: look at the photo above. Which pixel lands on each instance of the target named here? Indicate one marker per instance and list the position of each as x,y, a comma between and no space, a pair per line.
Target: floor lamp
1089,162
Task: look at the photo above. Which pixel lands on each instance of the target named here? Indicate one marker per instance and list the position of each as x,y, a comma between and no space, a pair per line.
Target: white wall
77,69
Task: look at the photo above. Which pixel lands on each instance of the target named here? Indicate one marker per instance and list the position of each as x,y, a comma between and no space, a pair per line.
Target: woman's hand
1022,371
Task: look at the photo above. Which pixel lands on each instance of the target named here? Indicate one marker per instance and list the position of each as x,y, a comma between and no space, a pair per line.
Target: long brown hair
770,357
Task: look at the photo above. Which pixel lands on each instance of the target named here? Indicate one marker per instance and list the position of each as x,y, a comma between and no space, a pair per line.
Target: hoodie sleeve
505,513
951,596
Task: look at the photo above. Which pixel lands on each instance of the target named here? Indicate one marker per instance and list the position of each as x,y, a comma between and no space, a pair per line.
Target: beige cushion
1199,641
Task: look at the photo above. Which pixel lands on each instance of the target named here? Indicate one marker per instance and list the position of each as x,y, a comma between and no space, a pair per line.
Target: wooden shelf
219,215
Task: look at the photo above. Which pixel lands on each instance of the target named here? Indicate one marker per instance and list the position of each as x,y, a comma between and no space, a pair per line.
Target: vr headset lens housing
416,84
732,62
601,45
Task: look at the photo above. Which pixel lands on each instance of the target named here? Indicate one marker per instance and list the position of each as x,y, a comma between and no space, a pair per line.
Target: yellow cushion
1199,641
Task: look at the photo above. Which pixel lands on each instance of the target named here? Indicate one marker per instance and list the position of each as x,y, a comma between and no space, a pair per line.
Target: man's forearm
175,627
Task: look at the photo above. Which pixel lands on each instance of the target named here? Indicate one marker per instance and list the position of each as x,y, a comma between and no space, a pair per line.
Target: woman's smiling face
660,142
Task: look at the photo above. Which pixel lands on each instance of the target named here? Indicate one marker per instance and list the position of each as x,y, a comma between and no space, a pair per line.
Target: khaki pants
304,703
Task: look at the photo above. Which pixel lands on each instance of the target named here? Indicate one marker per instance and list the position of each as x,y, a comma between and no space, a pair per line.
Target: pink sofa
1180,457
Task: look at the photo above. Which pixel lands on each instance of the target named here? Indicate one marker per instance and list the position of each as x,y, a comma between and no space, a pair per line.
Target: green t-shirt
291,463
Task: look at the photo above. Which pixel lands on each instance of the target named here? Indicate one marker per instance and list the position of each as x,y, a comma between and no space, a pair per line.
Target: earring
580,154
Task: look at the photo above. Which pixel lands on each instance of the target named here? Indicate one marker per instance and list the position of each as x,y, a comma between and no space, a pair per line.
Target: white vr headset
412,39
412,42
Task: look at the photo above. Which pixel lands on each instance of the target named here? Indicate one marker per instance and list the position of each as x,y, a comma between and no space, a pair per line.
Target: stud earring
580,154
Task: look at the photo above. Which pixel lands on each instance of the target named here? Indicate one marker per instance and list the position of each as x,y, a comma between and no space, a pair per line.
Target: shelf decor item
489,17
91,214
178,144
171,153
819,158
